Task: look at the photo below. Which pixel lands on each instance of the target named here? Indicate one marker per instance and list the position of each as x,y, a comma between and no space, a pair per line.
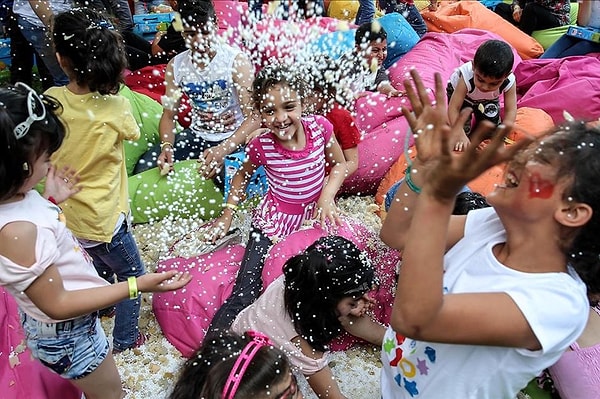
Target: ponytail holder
243,361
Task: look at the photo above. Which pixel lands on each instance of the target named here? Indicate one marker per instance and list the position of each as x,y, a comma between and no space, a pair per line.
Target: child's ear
574,215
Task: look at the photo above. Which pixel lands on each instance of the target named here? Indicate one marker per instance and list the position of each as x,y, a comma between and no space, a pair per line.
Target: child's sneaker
141,340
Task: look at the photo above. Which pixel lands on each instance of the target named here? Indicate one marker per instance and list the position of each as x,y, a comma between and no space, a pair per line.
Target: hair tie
243,361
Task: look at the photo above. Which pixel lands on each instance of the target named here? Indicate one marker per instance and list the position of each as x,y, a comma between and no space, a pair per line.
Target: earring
570,215
25,166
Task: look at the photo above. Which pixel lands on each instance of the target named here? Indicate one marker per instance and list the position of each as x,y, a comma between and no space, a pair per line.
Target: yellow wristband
133,289
165,144
233,207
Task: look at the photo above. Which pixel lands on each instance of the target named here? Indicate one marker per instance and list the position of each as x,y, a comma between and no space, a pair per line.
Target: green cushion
181,194
533,391
547,37
147,113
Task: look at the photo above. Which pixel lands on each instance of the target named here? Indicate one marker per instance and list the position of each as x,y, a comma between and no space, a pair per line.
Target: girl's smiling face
281,112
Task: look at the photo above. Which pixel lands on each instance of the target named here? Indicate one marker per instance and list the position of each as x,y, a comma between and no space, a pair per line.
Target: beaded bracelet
408,180
133,289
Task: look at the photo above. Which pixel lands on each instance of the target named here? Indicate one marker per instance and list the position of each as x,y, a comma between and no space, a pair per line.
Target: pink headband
243,361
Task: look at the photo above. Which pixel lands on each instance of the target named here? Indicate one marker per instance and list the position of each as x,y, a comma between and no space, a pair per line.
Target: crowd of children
530,255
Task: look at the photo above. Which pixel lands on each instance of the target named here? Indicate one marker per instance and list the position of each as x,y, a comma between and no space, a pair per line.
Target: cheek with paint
540,187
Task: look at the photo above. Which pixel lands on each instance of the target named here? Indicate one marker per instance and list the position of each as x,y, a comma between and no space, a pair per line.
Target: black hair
205,374
330,269
369,32
43,137
575,148
197,13
273,75
468,201
494,59
92,51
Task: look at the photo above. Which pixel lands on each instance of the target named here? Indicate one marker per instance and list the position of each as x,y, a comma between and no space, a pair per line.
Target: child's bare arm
47,291
510,105
456,101
220,226
326,208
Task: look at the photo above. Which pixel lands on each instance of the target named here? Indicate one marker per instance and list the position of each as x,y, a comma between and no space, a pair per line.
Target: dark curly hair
331,269
43,137
92,51
494,59
205,374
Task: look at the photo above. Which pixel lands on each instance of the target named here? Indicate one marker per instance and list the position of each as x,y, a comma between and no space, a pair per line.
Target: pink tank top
576,375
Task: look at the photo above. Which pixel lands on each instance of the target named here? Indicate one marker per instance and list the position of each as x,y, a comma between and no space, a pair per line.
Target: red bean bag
150,81
453,16
22,376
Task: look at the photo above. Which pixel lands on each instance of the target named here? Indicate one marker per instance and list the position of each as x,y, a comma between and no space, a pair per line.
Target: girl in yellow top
98,120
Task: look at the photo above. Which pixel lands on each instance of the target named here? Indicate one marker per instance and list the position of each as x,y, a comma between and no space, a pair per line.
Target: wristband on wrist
233,207
408,180
165,144
133,289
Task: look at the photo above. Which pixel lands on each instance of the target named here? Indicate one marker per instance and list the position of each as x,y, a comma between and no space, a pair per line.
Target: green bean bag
147,113
547,37
534,391
183,193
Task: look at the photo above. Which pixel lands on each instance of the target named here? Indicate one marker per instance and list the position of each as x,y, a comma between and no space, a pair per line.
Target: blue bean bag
401,37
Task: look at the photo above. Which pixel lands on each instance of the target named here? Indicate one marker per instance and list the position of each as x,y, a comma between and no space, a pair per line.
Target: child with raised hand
42,265
231,365
99,121
495,295
478,85
295,151
303,310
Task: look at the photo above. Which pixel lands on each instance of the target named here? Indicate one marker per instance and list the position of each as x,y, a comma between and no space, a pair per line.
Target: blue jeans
121,257
568,46
41,42
72,348
366,11
413,17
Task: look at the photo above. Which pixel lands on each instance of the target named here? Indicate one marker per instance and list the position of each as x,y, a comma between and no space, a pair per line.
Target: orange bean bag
529,121
453,16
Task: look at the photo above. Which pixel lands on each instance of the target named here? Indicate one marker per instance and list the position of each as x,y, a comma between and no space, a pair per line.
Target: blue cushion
401,37
334,44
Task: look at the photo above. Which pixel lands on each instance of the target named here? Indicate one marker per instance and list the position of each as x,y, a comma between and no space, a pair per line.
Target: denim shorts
72,348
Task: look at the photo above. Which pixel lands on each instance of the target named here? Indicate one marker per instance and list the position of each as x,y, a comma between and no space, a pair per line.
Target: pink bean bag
22,376
569,84
452,16
185,315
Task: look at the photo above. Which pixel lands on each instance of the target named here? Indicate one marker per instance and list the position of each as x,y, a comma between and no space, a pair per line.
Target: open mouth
510,180
282,129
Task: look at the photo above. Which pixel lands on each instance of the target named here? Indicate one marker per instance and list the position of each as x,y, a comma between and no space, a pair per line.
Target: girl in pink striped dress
296,152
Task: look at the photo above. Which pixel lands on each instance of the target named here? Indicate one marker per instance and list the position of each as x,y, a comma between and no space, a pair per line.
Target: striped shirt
295,178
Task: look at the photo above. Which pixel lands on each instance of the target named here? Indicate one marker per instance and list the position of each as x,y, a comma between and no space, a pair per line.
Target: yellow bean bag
453,16
343,9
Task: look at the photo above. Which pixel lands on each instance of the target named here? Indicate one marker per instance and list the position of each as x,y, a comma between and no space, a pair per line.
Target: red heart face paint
540,187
